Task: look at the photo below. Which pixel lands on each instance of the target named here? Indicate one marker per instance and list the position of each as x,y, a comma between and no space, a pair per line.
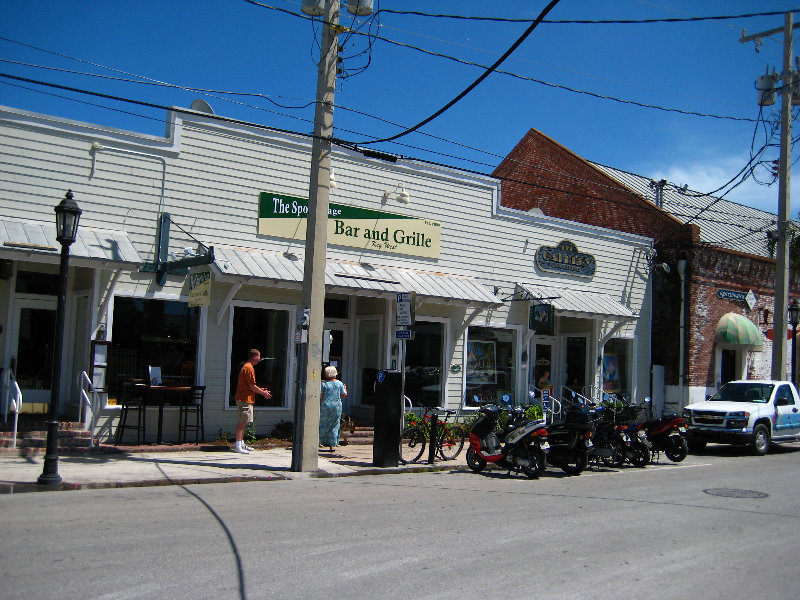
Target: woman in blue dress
330,408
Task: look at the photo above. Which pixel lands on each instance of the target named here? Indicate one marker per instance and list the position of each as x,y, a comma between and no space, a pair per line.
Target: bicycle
414,439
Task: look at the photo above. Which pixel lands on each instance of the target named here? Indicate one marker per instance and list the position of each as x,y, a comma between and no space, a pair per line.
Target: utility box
388,418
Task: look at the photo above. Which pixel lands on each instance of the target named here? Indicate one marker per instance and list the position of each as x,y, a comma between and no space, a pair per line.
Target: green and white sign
285,217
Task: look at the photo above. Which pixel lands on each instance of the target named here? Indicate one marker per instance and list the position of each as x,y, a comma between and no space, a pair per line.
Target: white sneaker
248,448
241,450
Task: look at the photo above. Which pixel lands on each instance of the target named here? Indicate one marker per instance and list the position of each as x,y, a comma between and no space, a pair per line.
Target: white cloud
710,173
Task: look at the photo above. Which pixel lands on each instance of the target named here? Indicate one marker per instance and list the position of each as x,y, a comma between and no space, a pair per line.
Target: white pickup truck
756,412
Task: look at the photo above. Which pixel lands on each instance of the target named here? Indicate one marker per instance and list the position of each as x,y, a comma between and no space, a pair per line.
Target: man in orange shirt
246,390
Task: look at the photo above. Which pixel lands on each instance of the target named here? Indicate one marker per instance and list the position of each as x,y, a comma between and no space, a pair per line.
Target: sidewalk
183,467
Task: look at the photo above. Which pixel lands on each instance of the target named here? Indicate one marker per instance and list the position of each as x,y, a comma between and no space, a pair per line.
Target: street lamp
794,319
67,216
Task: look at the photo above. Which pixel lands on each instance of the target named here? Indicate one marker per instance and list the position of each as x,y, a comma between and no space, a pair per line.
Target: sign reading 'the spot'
285,217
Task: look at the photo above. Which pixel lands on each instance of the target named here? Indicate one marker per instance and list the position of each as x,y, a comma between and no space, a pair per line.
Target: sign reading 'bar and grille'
285,217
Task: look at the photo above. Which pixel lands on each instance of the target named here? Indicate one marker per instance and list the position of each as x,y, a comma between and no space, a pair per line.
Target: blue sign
402,334
381,376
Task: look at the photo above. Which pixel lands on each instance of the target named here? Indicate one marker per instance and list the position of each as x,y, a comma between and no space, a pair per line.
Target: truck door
787,412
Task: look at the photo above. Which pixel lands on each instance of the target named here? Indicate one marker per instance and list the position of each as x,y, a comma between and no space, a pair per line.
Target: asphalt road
722,525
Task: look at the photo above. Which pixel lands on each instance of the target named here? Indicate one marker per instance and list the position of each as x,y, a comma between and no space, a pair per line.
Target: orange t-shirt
244,392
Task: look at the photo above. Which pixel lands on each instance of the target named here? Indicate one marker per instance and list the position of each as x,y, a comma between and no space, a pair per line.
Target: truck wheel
761,439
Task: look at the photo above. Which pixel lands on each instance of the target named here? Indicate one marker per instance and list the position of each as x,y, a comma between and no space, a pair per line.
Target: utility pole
306,426
780,316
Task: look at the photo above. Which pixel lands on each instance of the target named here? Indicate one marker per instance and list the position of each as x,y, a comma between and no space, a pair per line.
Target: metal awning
734,329
350,277
37,240
577,303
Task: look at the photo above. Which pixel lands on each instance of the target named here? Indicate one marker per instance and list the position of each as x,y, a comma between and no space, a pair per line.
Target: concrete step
364,436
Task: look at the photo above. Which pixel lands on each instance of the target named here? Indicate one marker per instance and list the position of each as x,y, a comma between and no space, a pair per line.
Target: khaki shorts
245,412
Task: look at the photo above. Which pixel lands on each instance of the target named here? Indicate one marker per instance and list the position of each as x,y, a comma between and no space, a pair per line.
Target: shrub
250,434
222,436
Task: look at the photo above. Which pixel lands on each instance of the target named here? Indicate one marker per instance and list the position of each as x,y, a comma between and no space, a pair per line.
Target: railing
550,408
93,405
10,387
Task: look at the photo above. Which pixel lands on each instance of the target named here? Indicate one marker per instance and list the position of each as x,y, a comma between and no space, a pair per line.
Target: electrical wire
475,83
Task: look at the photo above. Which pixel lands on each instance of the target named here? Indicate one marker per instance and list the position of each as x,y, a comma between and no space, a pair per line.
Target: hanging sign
565,258
285,217
200,288
541,319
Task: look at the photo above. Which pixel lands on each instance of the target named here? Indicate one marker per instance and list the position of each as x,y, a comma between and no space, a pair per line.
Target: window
491,366
615,367
424,364
266,329
146,332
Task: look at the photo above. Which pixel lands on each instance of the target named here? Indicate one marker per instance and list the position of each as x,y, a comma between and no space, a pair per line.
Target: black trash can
388,418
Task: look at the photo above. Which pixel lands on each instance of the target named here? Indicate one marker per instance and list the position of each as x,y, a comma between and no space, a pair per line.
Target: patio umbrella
736,329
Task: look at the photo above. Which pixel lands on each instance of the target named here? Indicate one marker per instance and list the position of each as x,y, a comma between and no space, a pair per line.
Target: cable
475,83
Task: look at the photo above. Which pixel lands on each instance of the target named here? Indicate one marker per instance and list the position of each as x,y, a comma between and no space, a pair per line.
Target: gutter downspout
682,346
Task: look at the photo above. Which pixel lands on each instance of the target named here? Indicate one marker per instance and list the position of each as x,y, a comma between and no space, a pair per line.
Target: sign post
404,319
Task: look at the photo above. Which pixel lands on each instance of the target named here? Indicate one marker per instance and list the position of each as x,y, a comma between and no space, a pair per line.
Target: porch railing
92,406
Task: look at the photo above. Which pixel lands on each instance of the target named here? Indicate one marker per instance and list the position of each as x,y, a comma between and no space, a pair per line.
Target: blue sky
236,46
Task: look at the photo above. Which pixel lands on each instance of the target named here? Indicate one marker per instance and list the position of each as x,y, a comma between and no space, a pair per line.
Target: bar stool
192,404
131,399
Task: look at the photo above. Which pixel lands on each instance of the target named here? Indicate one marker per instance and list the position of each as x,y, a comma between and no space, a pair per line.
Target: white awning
348,278
37,240
579,304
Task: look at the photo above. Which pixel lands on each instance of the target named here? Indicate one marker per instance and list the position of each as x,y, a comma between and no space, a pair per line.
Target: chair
131,399
192,404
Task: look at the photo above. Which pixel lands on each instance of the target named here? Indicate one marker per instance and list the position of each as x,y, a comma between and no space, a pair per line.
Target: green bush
222,436
250,434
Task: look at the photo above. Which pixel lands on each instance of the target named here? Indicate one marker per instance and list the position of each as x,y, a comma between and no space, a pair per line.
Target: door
35,324
787,413
369,355
575,364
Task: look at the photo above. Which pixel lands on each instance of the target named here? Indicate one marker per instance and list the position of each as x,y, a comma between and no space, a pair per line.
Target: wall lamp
402,196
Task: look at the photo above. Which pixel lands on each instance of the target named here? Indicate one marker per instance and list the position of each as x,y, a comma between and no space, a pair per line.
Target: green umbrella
737,329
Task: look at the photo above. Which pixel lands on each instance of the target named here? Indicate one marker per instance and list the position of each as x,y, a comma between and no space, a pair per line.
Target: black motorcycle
571,441
519,446
613,445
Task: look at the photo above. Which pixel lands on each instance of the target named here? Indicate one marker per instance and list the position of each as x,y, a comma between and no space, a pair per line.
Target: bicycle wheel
451,442
412,445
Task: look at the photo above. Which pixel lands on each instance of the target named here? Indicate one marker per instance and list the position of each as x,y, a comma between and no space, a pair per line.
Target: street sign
405,309
402,334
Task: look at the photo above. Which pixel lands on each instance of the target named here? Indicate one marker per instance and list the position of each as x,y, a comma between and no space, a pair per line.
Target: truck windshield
744,392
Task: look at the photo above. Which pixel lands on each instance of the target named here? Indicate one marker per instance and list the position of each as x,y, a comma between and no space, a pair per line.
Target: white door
34,331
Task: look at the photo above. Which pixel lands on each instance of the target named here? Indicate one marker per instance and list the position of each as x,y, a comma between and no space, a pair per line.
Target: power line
477,82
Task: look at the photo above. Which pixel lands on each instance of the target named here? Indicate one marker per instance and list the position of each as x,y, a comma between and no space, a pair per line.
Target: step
364,436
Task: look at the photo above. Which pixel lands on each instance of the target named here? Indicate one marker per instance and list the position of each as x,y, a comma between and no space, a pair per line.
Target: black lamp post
794,319
67,216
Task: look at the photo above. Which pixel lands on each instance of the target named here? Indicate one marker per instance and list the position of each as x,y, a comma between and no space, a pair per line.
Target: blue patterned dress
330,412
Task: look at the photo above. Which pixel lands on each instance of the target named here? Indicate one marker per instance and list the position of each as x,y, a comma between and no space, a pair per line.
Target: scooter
615,444
571,441
521,446
667,435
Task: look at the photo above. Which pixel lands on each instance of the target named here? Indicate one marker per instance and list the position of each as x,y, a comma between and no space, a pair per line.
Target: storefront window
615,368
424,364
159,333
267,330
491,370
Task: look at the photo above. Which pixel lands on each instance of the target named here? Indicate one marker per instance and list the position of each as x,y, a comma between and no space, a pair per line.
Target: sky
581,84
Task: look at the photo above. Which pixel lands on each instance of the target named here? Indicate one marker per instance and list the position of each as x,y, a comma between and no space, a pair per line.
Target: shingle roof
722,223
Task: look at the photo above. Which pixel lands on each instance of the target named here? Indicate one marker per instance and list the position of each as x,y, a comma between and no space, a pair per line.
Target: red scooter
520,446
667,435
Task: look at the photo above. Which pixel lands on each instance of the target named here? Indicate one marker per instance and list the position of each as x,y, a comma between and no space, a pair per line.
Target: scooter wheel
678,450
577,466
537,459
475,462
641,455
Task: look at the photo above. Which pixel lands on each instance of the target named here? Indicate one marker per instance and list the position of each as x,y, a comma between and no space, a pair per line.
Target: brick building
713,250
